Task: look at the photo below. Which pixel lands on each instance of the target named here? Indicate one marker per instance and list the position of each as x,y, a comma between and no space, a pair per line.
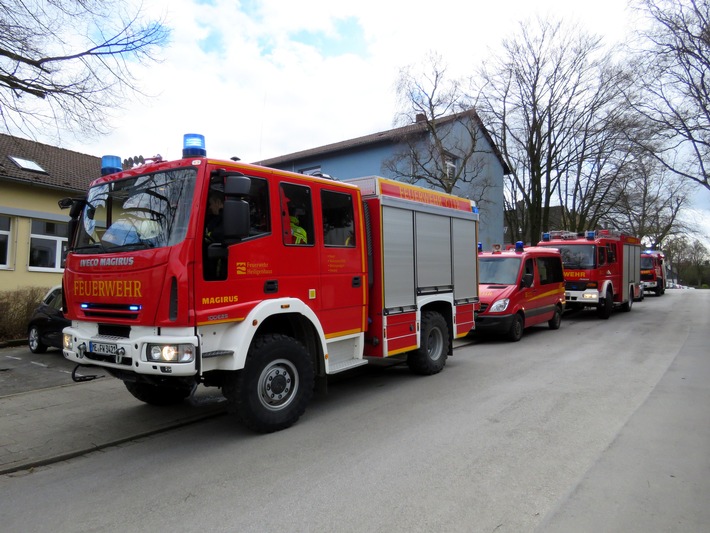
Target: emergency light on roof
193,145
590,235
480,246
519,246
110,164
546,236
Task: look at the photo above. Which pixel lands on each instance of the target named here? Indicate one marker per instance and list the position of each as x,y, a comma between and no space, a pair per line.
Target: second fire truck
303,277
602,268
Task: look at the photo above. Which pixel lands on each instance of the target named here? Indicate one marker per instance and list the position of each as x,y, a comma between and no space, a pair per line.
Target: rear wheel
430,358
556,320
156,394
628,305
515,333
273,390
34,342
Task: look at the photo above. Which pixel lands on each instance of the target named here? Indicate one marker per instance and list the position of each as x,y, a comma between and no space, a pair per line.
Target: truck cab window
296,215
338,227
259,221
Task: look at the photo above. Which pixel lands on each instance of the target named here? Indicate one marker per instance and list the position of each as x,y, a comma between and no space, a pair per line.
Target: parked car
47,322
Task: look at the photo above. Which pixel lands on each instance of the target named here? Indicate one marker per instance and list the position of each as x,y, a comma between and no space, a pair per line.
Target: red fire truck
519,288
602,268
261,282
653,271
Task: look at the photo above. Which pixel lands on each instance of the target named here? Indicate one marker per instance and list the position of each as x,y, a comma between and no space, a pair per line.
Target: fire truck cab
653,271
602,268
520,288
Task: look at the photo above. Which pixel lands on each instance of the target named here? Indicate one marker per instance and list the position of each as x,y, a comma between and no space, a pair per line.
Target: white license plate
102,347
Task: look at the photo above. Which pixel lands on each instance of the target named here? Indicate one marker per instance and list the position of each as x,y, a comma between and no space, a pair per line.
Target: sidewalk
48,425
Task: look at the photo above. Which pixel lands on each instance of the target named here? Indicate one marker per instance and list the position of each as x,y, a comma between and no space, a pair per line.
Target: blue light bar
480,246
590,235
110,164
519,246
546,236
134,307
193,145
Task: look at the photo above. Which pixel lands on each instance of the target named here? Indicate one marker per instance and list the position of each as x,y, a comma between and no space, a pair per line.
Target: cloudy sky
263,78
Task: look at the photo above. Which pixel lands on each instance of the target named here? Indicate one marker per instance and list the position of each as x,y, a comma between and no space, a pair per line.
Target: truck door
342,264
531,295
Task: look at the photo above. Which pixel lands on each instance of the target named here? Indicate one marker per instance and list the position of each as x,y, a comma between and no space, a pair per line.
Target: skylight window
26,164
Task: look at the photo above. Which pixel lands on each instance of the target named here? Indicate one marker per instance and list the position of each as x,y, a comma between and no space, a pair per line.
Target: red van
519,288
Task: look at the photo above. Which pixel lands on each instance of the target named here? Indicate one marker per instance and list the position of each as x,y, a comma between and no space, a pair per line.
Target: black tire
515,333
604,308
157,395
433,350
272,391
556,320
34,342
658,290
626,306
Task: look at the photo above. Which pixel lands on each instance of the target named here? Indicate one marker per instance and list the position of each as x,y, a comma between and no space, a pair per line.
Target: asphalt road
600,426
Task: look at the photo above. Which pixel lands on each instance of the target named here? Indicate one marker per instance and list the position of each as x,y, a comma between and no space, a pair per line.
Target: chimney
421,117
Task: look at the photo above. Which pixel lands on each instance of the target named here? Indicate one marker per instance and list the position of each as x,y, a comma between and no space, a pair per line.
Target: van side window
550,269
296,214
338,227
529,268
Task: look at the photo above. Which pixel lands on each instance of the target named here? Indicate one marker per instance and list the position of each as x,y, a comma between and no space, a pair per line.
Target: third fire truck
211,272
653,271
602,268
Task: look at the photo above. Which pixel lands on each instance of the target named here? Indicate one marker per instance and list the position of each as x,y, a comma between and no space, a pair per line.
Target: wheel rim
34,338
435,344
278,384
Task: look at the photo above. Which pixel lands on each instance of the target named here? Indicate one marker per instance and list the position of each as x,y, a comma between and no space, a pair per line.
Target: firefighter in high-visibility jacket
297,232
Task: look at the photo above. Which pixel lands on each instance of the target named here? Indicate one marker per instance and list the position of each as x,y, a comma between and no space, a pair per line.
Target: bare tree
675,66
64,63
440,133
550,97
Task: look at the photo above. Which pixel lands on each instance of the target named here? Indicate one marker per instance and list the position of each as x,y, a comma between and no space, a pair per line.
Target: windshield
577,255
498,270
148,211
646,263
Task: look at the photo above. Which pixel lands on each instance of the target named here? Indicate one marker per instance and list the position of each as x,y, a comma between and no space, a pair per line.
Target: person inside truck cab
214,267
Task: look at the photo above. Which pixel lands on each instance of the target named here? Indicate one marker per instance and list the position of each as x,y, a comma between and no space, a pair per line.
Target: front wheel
34,342
273,390
604,309
430,358
156,394
515,333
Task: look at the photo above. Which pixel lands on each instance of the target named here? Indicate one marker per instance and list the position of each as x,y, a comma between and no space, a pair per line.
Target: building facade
33,229
469,154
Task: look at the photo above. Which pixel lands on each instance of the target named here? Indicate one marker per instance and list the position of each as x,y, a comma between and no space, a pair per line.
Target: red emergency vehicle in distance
653,271
602,268
519,288
211,272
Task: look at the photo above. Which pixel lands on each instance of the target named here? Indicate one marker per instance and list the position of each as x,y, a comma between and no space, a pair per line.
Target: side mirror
527,280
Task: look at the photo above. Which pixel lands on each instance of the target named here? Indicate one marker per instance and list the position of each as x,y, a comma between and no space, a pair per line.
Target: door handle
271,286
357,282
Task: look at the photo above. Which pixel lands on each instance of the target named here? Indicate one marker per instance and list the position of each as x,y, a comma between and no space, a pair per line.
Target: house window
48,245
4,241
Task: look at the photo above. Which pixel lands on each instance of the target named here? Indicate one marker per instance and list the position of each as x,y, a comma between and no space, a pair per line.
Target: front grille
576,285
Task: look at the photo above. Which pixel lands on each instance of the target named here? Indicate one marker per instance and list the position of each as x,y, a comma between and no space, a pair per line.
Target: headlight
67,341
171,353
499,306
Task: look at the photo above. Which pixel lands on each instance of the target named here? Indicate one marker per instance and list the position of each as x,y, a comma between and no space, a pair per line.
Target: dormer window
27,164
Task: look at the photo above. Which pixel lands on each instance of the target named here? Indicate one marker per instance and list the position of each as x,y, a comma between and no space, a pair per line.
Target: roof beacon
519,246
193,145
110,164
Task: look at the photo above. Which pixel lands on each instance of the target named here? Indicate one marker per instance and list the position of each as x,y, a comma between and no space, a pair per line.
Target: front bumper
586,297
128,354
649,284
493,323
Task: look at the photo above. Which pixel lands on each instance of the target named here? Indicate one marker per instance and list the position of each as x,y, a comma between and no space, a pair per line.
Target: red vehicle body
653,271
520,288
304,278
602,268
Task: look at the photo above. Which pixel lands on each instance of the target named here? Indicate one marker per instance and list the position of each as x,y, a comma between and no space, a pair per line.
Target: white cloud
267,93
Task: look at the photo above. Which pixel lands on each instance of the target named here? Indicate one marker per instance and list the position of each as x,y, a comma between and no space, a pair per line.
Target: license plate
102,347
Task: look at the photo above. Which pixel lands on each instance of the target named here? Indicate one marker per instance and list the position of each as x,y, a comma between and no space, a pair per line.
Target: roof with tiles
64,170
